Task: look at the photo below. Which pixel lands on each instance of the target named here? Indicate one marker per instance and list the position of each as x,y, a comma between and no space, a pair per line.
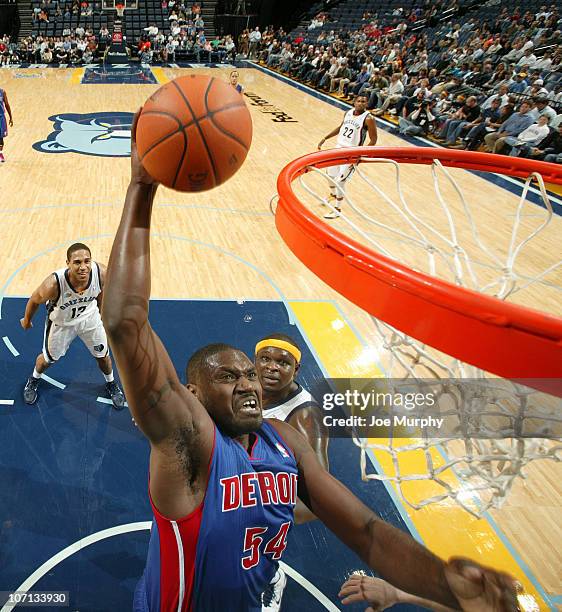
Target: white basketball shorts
340,174
58,338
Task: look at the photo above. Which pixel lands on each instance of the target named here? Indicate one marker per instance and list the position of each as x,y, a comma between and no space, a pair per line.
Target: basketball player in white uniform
277,361
72,296
352,132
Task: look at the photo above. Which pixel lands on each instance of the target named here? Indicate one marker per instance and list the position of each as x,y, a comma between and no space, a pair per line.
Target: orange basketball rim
506,339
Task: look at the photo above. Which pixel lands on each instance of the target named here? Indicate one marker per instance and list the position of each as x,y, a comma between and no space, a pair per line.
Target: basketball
194,133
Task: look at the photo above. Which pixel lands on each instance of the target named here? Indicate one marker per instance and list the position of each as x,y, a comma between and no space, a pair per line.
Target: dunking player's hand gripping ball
194,133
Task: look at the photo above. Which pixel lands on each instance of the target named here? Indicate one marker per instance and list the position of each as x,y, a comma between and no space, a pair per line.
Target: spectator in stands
61,56
391,95
416,116
544,63
536,89
519,83
199,24
244,42
205,49
254,40
328,74
461,119
550,149
351,88
151,30
230,48
46,55
373,87
542,108
527,60
87,56
501,96
529,138
511,127
169,53
343,73
489,120
276,53
316,75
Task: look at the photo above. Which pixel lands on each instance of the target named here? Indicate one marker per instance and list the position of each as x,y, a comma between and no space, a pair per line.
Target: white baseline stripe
10,346
6,402
70,550
53,382
308,586
140,526
106,400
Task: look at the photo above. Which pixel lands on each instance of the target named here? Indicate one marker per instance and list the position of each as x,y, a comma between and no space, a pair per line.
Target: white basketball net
476,473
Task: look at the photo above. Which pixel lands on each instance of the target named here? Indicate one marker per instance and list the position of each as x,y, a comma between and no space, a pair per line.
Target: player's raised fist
481,589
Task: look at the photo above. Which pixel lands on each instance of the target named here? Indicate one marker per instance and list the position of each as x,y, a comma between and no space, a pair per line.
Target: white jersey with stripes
71,306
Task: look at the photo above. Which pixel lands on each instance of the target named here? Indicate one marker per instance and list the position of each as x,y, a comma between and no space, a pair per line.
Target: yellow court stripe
553,188
160,75
76,76
445,528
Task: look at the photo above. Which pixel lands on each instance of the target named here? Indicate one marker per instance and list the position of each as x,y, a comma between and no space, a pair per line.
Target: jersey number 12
77,311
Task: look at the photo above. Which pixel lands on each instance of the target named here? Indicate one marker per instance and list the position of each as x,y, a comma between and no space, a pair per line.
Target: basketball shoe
271,597
30,390
333,214
2,158
116,395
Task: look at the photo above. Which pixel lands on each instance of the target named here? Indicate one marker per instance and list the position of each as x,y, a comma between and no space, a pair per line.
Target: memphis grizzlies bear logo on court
103,134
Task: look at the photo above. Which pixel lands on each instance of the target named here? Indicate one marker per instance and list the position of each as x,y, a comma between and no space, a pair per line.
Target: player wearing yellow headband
277,360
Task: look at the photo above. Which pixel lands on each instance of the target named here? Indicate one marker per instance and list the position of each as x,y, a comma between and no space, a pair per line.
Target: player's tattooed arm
158,401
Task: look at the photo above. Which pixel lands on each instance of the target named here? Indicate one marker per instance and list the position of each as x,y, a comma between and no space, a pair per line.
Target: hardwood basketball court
223,245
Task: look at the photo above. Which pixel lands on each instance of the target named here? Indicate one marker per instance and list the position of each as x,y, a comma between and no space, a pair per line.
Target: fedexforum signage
269,109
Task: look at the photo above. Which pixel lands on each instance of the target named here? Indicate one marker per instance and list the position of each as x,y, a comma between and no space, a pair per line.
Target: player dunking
352,132
72,296
223,482
4,108
278,359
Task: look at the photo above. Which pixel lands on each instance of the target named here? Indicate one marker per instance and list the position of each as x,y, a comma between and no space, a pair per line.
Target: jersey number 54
274,547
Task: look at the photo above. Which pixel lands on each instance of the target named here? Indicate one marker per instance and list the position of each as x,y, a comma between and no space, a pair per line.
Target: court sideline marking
129,528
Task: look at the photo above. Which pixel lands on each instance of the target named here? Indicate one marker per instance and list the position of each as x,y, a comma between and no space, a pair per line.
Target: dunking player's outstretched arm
167,413
396,556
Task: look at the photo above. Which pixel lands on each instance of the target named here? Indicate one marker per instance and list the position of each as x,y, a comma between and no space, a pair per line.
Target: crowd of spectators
470,84
82,46
47,11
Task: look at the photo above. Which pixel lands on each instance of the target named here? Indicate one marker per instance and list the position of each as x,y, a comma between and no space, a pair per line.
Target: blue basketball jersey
223,555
